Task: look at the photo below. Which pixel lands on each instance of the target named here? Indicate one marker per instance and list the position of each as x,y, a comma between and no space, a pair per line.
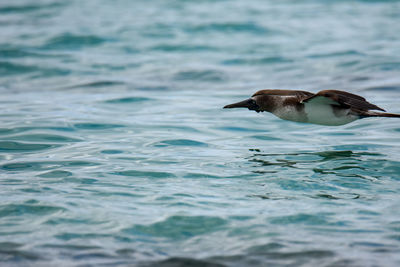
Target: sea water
115,149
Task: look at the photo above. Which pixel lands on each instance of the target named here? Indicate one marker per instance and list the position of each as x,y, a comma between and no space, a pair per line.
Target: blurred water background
115,150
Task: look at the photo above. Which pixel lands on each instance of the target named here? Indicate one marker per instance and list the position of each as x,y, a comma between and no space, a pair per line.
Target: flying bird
327,107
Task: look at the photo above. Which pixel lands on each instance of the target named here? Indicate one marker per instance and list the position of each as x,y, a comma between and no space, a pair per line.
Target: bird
327,107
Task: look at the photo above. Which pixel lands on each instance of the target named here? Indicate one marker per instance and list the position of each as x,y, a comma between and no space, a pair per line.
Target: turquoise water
115,149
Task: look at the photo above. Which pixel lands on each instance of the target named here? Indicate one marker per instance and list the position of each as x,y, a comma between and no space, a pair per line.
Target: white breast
290,113
319,110
287,112
320,113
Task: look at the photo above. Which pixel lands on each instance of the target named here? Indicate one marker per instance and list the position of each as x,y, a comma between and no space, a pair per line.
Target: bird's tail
381,114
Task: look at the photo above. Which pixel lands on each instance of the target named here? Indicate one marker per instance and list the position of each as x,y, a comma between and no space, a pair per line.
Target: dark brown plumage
327,107
346,99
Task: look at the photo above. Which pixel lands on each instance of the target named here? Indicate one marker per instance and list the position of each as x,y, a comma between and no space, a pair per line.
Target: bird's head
258,103
250,103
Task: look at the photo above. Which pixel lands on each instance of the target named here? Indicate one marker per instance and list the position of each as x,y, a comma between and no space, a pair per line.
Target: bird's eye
252,105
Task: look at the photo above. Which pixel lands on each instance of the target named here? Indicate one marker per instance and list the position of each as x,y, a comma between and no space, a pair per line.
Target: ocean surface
115,149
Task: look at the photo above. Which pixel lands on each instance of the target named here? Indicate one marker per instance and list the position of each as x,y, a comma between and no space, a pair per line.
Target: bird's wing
301,94
341,98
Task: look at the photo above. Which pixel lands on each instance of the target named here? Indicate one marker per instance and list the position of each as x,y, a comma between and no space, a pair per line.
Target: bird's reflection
343,163
292,160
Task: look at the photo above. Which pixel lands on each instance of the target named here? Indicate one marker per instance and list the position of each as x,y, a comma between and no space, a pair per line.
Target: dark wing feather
343,93
346,99
301,94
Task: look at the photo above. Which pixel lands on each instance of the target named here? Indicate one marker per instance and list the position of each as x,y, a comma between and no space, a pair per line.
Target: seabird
327,107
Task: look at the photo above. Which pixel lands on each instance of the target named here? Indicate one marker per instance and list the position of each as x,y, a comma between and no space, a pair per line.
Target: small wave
8,68
380,66
96,126
28,7
153,88
178,227
203,75
271,197
182,48
50,72
170,127
180,142
72,236
302,218
23,209
13,52
264,255
8,51
146,174
159,30
44,165
393,87
257,61
6,131
56,174
201,175
111,151
239,129
9,146
127,100
44,138
317,257
70,246
348,63
14,254
266,137
113,194
97,84
248,27
181,262
93,255
269,247
346,53
73,41
335,197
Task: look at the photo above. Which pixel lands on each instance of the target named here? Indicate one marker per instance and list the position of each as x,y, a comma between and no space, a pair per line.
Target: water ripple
97,84
145,174
13,52
183,48
180,142
45,137
22,210
115,150
96,126
8,68
257,61
201,75
56,174
14,130
12,255
229,28
277,258
338,54
179,261
29,7
178,227
8,146
72,41
127,100
44,165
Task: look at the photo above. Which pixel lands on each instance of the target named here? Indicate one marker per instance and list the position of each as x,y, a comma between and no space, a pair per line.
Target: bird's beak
248,103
